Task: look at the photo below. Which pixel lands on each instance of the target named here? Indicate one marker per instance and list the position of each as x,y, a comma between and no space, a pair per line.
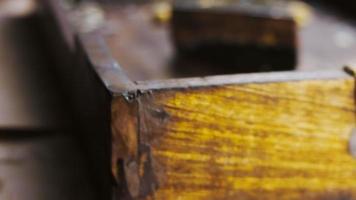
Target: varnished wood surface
283,140
280,140
268,77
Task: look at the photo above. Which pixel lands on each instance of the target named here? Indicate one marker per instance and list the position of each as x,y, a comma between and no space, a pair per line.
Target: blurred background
40,158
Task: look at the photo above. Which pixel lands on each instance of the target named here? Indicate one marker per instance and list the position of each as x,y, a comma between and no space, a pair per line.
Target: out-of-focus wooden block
252,37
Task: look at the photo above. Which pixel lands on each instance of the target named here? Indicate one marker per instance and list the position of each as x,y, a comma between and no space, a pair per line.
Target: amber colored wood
124,132
284,140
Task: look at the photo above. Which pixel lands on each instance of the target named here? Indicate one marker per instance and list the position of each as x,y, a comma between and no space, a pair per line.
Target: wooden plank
282,140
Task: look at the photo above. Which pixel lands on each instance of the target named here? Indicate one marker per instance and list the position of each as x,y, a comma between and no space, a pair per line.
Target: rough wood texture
285,140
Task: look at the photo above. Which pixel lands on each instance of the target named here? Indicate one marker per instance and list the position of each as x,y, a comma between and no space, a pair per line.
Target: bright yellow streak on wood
258,141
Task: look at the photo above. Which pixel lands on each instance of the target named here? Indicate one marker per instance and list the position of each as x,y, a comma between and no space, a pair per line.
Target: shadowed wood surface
286,140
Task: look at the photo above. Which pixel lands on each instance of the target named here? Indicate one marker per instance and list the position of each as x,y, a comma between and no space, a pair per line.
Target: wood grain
286,140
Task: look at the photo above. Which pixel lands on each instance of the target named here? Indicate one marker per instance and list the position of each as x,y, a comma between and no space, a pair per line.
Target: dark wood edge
268,77
100,57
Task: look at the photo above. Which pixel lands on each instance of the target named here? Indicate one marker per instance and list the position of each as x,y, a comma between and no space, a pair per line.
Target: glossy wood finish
285,140
258,136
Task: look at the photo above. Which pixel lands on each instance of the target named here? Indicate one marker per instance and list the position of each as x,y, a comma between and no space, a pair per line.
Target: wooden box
281,135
